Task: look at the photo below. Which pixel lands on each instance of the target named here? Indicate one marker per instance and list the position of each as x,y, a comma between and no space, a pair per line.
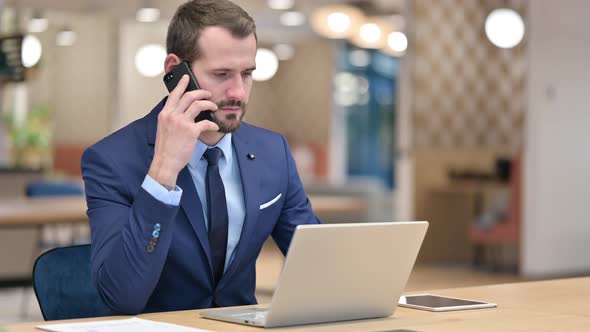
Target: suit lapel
251,190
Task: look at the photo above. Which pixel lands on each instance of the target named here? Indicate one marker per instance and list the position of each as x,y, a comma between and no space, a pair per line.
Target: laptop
338,272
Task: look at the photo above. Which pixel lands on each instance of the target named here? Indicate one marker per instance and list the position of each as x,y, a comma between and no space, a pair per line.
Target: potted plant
29,139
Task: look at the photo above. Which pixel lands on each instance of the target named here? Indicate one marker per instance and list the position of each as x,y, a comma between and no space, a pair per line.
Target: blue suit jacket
177,275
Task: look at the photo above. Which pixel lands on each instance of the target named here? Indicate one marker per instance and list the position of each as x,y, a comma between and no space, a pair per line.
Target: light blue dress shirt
232,183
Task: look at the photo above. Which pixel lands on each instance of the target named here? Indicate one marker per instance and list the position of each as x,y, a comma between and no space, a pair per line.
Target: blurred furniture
491,244
52,235
21,218
451,210
26,212
551,305
16,264
67,158
43,188
324,204
361,200
64,287
55,210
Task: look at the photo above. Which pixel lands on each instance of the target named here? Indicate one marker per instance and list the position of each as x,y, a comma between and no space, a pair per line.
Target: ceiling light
149,60
280,4
65,37
31,51
292,19
38,23
372,34
147,15
397,41
336,21
504,28
283,51
267,65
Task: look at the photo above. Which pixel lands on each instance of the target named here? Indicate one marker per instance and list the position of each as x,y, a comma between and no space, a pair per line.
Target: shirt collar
224,144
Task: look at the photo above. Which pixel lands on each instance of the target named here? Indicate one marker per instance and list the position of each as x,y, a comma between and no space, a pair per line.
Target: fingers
190,98
179,101
178,91
199,106
206,125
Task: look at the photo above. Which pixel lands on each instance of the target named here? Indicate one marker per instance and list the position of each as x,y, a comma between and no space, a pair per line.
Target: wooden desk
337,204
41,211
556,305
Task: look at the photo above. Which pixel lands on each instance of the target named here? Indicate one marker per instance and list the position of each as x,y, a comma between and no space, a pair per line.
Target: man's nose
236,90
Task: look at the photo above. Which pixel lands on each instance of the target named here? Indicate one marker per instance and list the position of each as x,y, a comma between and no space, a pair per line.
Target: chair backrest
51,188
64,287
514,212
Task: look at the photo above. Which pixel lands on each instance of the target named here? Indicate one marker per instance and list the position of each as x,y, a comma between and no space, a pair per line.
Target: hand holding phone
177,133
172,78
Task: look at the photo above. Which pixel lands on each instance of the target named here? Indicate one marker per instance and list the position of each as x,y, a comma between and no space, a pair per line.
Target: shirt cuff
160,193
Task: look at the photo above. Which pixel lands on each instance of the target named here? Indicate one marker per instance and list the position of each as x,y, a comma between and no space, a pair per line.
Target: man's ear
171,61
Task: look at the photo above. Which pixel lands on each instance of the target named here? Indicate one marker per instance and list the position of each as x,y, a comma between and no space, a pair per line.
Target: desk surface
38,211
24,211
555,305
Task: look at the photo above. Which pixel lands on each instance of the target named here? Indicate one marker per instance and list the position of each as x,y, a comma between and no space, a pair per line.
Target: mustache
231,103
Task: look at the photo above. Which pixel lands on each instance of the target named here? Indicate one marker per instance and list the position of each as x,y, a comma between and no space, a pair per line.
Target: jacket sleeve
122,227
296,210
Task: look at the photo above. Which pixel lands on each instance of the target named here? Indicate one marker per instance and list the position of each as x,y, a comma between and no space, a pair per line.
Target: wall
76,82
297,101
468,96
136,94
557,164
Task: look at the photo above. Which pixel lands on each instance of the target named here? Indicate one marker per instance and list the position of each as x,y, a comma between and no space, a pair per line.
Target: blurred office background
471,114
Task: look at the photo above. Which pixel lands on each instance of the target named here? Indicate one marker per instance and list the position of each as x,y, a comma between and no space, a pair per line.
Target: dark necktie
217,212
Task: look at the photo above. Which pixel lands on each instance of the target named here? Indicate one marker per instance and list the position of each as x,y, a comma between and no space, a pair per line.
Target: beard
231,122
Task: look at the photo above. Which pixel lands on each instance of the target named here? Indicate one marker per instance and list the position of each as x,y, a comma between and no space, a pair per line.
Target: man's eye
220,74
247,74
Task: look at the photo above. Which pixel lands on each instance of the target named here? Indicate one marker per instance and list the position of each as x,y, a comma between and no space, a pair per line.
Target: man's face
225,69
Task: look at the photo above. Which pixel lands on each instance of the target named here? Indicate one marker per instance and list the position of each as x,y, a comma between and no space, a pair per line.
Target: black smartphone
172,78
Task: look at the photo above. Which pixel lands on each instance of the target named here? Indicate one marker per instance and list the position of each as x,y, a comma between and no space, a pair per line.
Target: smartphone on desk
172,78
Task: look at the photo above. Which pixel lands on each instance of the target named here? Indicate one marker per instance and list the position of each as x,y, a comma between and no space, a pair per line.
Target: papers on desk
119,325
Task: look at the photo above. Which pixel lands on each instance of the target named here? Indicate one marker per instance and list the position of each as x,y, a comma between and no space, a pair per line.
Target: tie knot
213,155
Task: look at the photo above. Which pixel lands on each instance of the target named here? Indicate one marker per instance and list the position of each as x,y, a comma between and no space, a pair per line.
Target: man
180,210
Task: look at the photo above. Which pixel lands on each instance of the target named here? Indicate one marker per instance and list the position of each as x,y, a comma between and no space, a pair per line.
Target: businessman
179,210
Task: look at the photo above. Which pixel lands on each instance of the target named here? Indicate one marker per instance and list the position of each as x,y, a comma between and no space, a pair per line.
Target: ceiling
267,19
128,7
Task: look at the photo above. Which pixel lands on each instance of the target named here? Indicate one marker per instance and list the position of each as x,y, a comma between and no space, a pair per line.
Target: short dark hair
195,15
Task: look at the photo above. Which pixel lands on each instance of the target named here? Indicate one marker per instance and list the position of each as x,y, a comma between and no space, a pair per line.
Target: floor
424,277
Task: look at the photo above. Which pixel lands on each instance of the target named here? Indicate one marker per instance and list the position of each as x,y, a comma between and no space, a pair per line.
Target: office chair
506,232
45,188
63,284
